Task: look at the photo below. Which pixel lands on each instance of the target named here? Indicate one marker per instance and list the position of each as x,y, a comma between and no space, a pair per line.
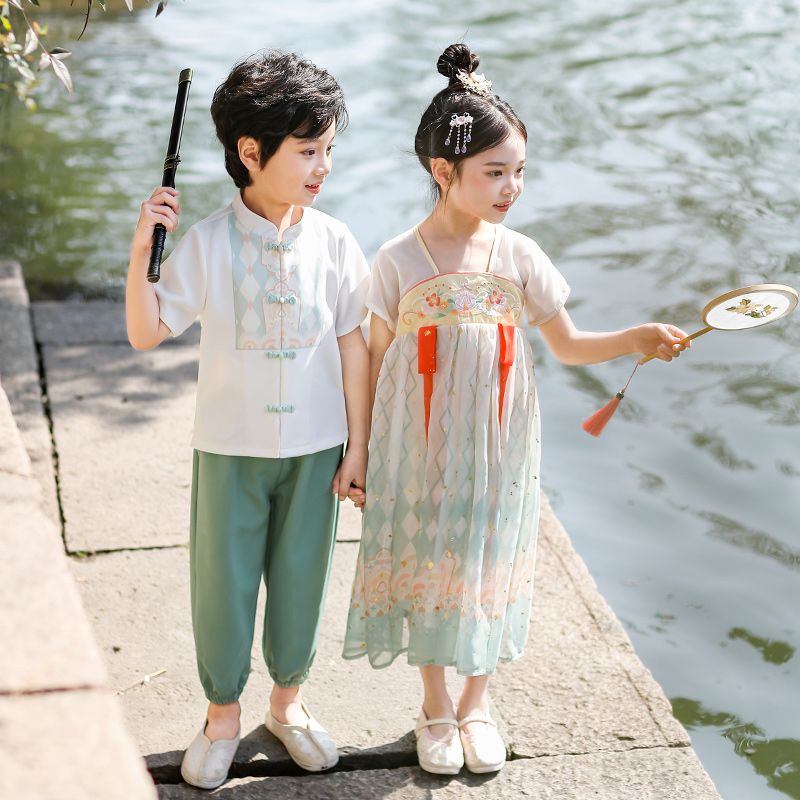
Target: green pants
274,517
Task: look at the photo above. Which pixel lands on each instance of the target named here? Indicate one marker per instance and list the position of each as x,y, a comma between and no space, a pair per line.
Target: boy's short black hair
269,96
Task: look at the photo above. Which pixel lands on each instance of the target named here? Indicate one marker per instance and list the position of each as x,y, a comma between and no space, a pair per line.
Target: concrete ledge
69,745
20,373
52,678
47,643
52,675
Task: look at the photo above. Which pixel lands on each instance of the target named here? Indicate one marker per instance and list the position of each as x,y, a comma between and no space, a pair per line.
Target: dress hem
463,673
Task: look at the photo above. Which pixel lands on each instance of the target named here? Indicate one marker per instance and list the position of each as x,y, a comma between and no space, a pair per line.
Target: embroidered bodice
458,297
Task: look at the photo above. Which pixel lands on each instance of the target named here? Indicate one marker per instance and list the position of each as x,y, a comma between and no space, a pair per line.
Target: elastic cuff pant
254,517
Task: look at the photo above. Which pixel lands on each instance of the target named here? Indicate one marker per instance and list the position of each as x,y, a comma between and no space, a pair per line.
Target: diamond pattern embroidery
452,523
276,304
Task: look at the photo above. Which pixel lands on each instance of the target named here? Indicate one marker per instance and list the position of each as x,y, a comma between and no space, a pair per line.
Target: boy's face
295,173
489,183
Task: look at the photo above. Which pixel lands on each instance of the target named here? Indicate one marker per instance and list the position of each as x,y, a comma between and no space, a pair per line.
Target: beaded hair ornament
477,84
463,125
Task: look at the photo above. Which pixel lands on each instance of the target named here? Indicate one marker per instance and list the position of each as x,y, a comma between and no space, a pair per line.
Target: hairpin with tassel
462,123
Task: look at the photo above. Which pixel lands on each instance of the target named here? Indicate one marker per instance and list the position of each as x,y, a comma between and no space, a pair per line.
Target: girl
279,289
445,566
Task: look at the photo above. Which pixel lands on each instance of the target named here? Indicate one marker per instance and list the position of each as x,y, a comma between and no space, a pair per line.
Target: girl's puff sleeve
384,290
181,291
353,285
545,289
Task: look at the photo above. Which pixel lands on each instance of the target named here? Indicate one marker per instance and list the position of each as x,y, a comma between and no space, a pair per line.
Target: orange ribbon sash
426,364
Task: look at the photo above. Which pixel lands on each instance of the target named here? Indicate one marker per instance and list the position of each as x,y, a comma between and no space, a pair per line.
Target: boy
279,289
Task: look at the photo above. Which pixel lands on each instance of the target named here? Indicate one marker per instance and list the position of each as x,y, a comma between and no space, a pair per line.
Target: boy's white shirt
270,376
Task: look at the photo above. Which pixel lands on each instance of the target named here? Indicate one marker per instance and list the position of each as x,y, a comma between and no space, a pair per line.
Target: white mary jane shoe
309,745
205,763
484,751
439,756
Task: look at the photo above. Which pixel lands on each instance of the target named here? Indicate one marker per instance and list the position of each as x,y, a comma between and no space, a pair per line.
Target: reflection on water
715,444
772,651
662,171
757,542
763,390
775,759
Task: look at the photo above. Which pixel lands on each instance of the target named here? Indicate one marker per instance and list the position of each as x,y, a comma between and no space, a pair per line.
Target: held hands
666,341
162,206
358,496
351,477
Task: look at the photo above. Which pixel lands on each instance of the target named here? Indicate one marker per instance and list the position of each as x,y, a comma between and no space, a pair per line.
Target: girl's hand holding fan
663,341
737,310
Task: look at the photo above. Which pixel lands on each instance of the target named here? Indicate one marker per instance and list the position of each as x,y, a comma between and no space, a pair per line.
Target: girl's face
294,174
488,183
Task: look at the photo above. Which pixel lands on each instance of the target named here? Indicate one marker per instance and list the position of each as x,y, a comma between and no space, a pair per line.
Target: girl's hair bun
457,58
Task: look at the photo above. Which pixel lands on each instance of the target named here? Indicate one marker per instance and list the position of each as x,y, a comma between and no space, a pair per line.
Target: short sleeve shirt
271,309
402,263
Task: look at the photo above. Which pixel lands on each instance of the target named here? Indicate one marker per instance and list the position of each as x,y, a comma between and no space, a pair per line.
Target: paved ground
582,716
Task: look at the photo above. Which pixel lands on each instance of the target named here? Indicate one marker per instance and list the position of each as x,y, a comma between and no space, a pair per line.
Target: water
663,171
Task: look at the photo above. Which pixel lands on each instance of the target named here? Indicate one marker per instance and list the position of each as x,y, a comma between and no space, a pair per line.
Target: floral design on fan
751,309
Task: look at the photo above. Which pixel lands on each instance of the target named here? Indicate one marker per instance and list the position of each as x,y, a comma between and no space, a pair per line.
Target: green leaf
161,6
129,3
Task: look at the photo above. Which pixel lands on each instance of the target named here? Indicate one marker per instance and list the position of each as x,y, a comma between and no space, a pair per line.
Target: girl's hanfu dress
446,560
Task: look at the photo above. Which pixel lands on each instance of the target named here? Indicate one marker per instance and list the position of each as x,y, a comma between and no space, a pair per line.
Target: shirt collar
261,225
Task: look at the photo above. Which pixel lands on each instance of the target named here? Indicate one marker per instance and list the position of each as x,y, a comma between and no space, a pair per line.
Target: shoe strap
436,721
477,718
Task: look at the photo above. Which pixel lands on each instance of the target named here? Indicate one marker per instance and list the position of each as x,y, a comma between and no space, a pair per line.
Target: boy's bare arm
145,327
380,337
355,378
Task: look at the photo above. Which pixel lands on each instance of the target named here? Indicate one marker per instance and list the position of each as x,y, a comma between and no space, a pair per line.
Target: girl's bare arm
380,337
572,346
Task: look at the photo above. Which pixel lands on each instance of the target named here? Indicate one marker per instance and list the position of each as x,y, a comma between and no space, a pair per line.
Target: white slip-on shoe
485,750
439,756
309,745
205,763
